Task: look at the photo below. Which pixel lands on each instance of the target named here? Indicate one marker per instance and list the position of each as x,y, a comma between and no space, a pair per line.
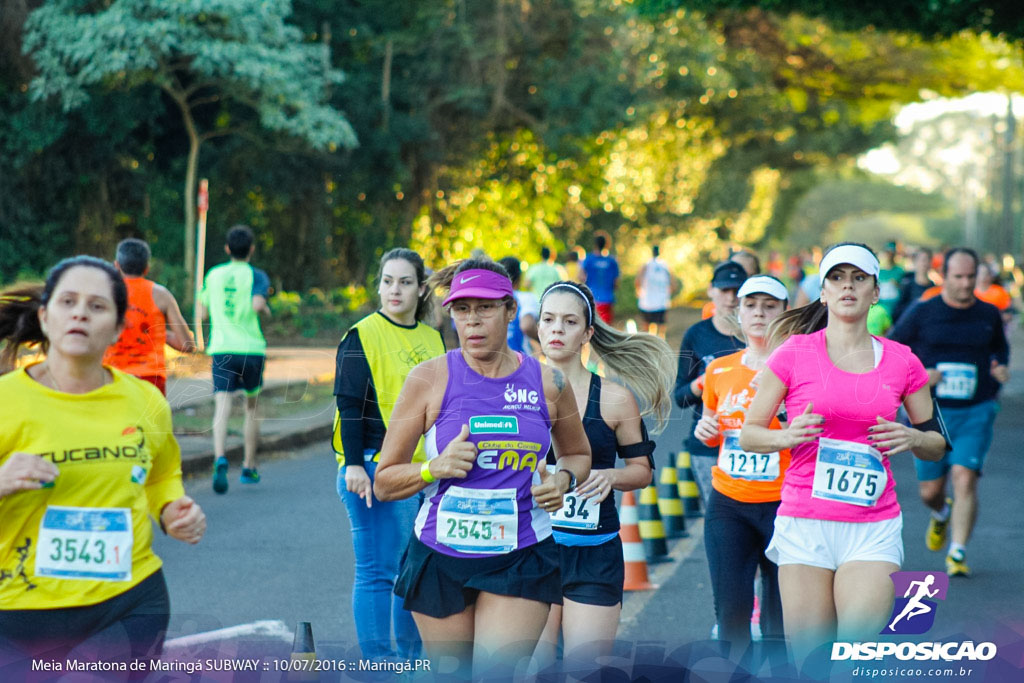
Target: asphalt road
279,553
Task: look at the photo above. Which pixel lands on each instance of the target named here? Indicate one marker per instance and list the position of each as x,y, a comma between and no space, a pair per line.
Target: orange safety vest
139,350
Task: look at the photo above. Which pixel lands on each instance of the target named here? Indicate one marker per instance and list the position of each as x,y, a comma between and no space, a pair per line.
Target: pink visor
478,283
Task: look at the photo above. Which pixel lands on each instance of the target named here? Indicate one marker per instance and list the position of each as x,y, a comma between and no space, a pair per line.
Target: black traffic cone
670,505
303,661
688,485
652,532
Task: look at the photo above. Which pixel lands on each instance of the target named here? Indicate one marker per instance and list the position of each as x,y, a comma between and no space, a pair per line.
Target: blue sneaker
249,476
220,475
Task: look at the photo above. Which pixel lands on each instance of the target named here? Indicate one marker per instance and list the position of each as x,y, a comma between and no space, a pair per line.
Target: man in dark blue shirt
702,343
961,342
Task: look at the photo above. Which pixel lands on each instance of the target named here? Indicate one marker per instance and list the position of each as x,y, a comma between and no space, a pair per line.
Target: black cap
728,275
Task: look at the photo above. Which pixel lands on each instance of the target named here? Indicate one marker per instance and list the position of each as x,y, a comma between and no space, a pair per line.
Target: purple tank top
491,511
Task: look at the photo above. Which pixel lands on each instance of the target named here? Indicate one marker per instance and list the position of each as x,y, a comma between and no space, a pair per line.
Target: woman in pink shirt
838,529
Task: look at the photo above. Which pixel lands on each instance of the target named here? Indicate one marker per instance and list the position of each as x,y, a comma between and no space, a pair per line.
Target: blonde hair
642,361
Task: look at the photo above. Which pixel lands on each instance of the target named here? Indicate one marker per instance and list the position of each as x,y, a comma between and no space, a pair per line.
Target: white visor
849,254
762,284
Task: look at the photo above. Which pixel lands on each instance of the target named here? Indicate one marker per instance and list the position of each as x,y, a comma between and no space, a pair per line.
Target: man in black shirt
702,343
961,342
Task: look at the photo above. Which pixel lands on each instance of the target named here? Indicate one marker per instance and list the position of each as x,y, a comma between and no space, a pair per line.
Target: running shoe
935,537
249,476
220,475
956,564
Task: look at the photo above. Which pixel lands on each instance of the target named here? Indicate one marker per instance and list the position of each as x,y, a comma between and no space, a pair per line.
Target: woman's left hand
891,438
547,493
597,486
184,520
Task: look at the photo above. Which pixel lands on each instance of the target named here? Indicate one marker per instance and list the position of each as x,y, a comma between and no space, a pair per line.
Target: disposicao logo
913,613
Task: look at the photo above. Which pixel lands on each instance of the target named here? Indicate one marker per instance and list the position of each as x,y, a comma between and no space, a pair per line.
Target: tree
223,63
926,17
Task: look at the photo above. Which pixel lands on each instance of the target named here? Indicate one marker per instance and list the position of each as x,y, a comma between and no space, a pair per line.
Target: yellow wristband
425,473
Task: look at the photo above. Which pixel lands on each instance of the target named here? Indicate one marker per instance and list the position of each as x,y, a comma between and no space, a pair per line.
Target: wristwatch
572,479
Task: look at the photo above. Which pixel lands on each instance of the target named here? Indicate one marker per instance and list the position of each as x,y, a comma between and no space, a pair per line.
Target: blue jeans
379,536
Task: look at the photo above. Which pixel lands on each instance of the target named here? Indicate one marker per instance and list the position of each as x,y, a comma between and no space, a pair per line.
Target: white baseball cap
849,254
763,284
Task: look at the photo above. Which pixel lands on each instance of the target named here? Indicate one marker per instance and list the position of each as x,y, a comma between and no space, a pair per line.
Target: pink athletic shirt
850,403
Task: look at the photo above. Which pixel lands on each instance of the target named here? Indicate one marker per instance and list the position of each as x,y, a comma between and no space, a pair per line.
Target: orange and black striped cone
652,531
688,485
636,578
670,505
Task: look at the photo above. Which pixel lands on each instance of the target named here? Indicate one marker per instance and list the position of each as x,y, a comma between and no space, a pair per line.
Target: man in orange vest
153,319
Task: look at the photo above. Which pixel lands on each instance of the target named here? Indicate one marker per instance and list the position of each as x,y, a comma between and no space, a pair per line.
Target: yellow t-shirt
87,538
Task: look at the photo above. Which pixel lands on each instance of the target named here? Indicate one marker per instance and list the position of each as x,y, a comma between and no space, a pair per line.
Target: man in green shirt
540,275
234,294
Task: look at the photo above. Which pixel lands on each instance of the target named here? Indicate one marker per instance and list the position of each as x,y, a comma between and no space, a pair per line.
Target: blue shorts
234,371
970,431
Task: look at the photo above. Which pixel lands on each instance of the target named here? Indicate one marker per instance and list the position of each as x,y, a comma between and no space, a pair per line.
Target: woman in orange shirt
746,487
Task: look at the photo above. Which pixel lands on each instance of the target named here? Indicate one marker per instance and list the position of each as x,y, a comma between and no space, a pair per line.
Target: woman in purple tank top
481,571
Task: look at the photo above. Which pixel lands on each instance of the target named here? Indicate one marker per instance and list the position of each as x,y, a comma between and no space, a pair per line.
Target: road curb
268,446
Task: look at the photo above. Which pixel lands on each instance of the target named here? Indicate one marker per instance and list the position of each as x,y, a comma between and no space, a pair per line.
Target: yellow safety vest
391,352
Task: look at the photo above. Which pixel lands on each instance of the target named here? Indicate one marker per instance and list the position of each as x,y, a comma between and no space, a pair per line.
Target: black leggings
127,627
735,537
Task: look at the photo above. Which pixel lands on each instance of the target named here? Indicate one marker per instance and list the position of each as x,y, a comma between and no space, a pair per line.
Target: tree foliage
502,125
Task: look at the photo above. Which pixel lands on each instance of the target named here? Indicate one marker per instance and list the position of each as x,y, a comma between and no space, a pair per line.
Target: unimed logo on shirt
494,424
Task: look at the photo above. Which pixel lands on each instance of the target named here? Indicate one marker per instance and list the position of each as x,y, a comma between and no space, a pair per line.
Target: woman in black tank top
586,528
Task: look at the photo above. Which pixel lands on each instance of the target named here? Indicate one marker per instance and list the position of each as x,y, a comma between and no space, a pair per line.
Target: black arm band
935,424
638,450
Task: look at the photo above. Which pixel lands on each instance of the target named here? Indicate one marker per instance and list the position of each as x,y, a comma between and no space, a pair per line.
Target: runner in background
522,331
152,320
234,294
889,276
78,576
838,529
702,343
961,341
914,284
586,528
373,360
600,272
655,288
482,571
751,265
573,263
540,275
746,487
990,290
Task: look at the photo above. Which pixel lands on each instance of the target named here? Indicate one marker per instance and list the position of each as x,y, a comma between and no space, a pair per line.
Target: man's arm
260,291
179,336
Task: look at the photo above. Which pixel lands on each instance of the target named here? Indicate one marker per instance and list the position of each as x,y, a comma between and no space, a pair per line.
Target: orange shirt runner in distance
139,350
728,392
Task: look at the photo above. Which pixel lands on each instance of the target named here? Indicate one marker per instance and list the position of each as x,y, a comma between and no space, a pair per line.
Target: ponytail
20,304
642,361
804,320
19,322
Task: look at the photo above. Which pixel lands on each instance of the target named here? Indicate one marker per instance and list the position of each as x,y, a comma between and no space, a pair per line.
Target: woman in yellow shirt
87,455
